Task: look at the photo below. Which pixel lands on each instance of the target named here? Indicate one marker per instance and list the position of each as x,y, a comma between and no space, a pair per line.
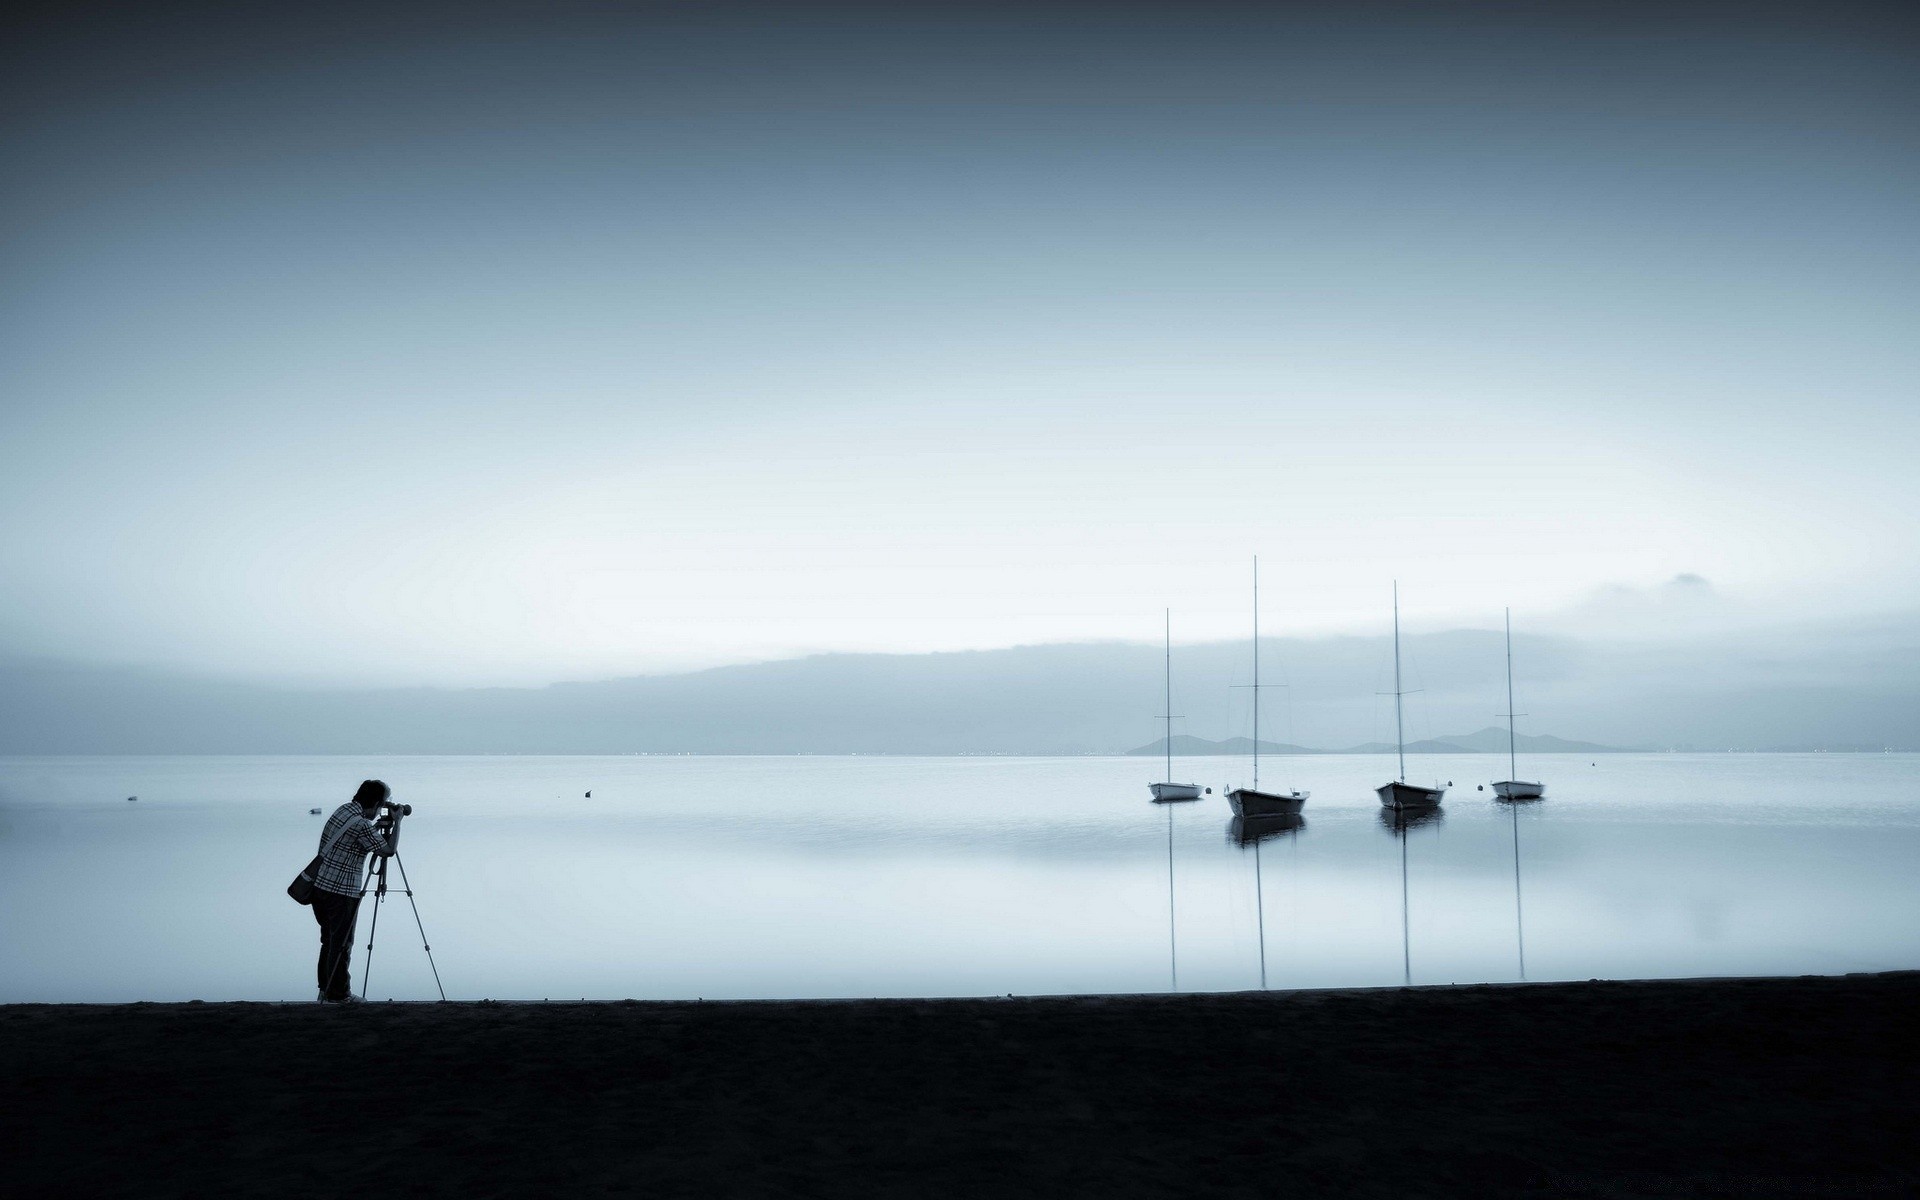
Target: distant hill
1491,740
1184,743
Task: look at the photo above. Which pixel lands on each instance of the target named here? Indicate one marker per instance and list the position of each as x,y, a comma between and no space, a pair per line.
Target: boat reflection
1173,927
1251,831
1248,833
1400,822
1513,805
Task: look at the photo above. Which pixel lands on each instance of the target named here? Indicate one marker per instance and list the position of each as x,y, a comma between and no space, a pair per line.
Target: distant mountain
1491,740
1184,743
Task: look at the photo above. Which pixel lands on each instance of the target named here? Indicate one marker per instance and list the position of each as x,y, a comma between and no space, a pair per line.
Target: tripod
377,879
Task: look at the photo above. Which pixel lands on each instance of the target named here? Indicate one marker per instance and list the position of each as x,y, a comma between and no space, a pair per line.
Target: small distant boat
1513,787
1169,790
1251,801
1400,794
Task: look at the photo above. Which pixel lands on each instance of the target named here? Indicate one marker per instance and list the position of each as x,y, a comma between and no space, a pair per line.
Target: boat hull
1399,795
1174,791
1248,803
1519,789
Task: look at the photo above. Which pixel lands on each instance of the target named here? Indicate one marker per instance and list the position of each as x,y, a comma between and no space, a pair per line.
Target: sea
681,877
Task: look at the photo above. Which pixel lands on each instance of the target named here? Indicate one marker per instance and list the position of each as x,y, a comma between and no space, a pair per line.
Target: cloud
1686,604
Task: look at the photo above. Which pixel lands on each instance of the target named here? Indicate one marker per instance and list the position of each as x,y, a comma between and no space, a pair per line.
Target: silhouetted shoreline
1772,1087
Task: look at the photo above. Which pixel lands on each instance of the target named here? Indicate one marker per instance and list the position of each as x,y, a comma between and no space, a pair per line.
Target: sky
479,344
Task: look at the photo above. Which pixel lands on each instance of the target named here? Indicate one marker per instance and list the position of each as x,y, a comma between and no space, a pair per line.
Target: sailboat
1251,801
1513,787
1171,791
1400,794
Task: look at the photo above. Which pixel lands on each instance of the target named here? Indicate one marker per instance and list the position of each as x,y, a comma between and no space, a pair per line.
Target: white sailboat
1400,794
1251,801
1170,790
1513,787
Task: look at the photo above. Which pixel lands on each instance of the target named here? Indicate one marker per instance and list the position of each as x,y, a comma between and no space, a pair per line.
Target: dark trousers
336,915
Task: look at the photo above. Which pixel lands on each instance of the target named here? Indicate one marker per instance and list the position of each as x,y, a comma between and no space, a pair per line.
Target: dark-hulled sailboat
1251,801
1400,794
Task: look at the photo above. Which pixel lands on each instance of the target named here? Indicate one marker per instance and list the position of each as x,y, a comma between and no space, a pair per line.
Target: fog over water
481,345
1828,686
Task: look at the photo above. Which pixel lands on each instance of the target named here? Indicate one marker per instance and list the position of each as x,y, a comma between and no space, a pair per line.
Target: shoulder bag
301,889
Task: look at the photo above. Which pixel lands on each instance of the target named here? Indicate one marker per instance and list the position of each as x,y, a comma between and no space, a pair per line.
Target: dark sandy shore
1768,1087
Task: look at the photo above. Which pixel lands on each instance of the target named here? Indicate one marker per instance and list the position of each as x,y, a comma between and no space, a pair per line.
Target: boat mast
1399,729
1256,680
1513,770
1167,742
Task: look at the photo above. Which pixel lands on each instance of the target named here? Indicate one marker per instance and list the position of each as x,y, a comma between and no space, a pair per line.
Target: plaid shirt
341,867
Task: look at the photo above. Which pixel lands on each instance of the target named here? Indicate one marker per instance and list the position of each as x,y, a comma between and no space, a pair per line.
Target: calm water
754,877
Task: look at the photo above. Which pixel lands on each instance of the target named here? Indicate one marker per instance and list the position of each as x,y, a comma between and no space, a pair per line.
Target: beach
1758,1087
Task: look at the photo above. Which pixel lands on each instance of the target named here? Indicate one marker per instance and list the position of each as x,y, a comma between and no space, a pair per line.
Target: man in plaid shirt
345,843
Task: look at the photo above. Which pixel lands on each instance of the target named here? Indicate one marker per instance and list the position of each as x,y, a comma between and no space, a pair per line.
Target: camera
390,814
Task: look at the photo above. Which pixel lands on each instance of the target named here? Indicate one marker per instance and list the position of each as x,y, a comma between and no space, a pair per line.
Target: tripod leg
407,886
379,894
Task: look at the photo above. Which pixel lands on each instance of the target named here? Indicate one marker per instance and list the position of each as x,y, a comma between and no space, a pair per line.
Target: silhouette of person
345,841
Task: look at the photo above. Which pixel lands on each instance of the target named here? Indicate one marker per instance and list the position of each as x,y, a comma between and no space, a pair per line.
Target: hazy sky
484,344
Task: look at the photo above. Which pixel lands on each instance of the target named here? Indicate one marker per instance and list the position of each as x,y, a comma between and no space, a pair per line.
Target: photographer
348,837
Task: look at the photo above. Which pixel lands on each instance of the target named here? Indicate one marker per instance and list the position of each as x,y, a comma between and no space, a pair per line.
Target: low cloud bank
1832,686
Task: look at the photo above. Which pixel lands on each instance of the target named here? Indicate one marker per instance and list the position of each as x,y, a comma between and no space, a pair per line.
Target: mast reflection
1400,822
1513,804
1246,832
1173,936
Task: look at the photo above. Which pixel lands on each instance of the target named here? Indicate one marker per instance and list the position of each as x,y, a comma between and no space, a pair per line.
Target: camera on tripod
387,824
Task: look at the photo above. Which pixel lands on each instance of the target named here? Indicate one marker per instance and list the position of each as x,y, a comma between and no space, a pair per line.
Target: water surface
765,877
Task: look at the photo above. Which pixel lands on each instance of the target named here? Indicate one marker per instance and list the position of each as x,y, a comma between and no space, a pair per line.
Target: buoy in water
589,795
